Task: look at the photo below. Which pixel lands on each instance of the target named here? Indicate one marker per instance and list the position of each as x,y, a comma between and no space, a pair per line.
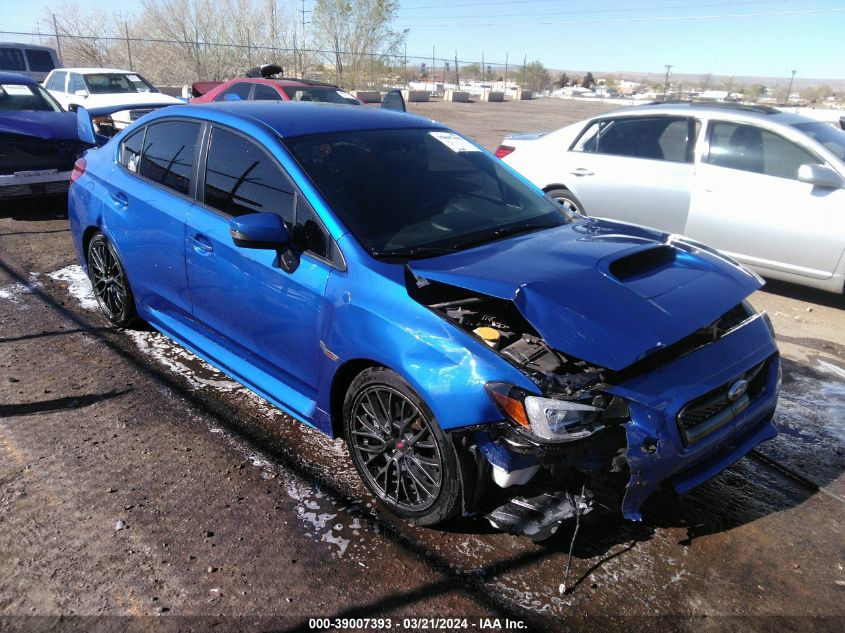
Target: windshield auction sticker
17,90
454,142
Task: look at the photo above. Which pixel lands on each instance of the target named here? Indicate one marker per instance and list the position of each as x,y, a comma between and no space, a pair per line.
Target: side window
75,83
264,92
39,61
657,138
309,234
236,92
11,59
241,178
57,83
750,148
168,156
130,150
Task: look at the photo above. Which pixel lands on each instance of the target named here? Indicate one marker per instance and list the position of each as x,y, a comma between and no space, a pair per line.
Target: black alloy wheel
111,287
399,450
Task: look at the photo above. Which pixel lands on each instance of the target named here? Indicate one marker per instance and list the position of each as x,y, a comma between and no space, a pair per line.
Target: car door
635,169
56,87
242,297
749,203
149,192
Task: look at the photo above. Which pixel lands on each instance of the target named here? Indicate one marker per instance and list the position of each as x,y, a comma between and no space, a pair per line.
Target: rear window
321,95
25,97
39,61
11,59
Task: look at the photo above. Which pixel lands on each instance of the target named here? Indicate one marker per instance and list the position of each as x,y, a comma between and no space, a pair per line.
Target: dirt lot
140,489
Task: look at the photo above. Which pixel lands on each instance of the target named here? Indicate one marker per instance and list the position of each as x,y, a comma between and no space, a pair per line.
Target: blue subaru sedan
382,278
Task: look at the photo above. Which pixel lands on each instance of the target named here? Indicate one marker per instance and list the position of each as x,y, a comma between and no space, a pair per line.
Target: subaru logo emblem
737,390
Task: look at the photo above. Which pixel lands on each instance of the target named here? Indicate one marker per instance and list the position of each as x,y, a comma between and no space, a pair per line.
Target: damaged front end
596,437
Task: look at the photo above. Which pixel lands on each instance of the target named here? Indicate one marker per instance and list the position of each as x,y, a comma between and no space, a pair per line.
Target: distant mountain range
716,81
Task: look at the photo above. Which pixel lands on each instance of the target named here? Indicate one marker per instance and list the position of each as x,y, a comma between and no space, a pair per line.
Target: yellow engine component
489,335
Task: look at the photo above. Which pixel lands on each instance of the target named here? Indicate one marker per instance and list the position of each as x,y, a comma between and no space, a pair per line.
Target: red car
266,89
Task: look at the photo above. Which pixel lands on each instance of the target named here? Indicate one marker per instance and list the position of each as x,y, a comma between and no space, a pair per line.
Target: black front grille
710,412
21,153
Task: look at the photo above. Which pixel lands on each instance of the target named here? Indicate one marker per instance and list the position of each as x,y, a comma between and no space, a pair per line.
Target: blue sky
723,37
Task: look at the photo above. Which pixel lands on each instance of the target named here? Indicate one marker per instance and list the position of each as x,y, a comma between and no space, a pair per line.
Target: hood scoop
654,271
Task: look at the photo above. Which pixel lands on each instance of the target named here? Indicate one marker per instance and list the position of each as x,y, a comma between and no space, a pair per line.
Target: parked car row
763,186
41,139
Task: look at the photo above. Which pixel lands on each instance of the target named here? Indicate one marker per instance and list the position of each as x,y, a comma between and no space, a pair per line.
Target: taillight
504,150
78,169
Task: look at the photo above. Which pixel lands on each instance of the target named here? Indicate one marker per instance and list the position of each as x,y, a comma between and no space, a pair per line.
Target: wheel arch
551,187
341,380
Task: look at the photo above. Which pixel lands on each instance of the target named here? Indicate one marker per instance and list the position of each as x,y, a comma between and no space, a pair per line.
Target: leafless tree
357,32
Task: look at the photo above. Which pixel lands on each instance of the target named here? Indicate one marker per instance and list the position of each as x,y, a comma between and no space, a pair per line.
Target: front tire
111,286
567,200
399,450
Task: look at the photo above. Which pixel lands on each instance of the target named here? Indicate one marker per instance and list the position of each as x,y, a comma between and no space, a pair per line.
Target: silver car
763,186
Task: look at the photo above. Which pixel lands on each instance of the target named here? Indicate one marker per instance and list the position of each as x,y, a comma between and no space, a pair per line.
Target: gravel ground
140,489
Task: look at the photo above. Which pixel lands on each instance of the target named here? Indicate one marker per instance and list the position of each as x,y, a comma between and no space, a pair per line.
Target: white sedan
106,87
763,186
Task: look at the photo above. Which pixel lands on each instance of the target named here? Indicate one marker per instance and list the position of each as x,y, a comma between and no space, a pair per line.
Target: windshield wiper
413,252
505,231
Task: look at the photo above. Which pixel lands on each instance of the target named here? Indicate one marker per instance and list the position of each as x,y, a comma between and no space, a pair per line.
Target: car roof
88,71
15,78
296,118
714,110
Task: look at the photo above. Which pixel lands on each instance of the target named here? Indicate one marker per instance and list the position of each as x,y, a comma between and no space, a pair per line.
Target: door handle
201,243
119,198
582,171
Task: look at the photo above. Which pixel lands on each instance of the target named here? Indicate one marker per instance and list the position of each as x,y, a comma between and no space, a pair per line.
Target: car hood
605,292
49,126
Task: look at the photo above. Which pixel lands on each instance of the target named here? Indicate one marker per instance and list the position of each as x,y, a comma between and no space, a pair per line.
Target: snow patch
17,292
78,285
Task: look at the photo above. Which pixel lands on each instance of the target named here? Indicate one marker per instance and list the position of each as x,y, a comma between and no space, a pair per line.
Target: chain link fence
176,63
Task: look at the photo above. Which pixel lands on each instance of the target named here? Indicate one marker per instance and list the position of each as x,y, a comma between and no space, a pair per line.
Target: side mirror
820,176
81,93
259,230
393,100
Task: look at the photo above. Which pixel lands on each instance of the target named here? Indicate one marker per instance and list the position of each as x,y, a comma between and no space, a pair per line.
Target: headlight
560,420
547,419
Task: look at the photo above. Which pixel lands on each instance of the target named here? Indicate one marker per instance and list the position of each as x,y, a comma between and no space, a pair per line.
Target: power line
619,10
450,5
674,18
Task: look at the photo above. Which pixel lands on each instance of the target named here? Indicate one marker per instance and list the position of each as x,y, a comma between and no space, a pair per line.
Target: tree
471,71
562,81
356,31
588,81
534,77
754,92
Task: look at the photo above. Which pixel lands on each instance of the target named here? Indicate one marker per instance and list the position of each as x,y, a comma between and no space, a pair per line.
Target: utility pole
128,45
405,65
431,72
58,41
457,71
302,12
506,74
789,90
666,83
483,69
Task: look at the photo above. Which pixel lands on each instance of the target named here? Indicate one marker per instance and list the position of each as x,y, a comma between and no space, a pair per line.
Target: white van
28,59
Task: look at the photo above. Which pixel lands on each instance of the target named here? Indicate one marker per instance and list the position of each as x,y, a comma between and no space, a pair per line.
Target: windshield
322,95
832,138
26,97
416,193
112,83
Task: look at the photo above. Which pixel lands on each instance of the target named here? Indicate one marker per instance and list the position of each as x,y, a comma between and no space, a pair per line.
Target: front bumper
659,449
40,183
656,451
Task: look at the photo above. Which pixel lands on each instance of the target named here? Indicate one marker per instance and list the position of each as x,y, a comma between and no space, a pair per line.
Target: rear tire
111,286
567,200
399,450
